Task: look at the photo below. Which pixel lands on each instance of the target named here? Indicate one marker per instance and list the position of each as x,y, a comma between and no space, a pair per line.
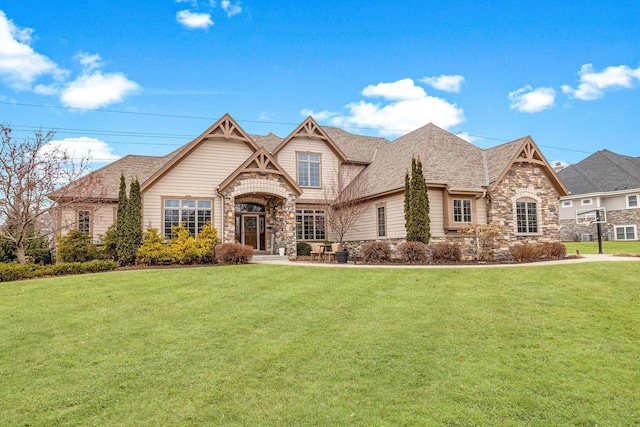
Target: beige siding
197,176
481,211
102,217
329,165
366,229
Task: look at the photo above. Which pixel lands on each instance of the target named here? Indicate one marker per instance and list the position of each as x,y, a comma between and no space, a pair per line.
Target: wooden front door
250,231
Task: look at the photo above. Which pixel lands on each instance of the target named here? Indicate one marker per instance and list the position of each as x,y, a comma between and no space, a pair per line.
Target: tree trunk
22,259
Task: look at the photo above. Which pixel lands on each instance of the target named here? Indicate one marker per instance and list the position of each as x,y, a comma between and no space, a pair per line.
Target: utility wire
189,137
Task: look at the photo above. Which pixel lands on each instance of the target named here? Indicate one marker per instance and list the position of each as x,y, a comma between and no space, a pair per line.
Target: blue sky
145,77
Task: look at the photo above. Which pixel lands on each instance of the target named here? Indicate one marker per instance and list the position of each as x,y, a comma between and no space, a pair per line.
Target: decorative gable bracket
530,154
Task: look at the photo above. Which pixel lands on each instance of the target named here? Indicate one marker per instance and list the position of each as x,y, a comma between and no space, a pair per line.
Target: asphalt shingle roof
603,171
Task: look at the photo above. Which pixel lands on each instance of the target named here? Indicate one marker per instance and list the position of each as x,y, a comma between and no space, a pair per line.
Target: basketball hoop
588,221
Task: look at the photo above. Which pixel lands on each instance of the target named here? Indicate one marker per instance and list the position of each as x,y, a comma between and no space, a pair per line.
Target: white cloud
231,9
530,100
20,65
444,82
89,61
404,107
593,84
98,151
319,115
194,20
97,90
402,90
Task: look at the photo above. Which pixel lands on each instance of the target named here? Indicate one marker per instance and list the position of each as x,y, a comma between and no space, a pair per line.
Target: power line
189,137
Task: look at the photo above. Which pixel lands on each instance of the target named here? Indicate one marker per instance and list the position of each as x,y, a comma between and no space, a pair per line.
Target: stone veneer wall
524,180
570,231
282,220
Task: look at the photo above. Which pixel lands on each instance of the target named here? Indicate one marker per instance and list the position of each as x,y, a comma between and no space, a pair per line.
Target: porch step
270,259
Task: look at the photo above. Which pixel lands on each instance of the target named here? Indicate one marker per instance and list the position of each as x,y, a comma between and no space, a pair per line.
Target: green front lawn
279,345
613,247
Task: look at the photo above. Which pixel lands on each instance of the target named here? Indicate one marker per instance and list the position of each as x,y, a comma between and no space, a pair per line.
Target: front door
250,231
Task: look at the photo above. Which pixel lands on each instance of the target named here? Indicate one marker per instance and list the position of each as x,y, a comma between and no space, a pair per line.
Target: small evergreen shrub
525,252
446,252
232,253
205,244
153,249
76,246
182,246
108,244
376,252
11,272
413,252
303,249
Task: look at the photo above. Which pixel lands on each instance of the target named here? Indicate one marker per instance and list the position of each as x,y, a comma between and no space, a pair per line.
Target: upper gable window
309,170
461,210
632,201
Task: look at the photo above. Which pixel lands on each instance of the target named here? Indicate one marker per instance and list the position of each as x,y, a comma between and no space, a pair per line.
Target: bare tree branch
342,205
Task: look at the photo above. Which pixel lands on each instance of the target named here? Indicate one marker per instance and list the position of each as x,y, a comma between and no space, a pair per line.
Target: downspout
222,213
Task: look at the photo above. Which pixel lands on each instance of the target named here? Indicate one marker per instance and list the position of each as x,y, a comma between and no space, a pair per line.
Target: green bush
303,249
413,252
11,272
232,253
375,252
108,245
446,252
76,246
205,244
153,249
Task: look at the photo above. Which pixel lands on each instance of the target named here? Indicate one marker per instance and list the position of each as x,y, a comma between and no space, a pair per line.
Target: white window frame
567,203
466,211
624,231
527,220
304,167
637,201
200,208
311,224
586,202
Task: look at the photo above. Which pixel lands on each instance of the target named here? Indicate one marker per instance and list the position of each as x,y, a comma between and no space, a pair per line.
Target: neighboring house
604,179
260,190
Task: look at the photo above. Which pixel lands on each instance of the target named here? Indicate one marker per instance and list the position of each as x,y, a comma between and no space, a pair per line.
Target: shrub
303,249
376,252
76,246
205,244
446,252
11,272
232,253
182,246
109,244
153,250
555,250
484,238
413,252
525,252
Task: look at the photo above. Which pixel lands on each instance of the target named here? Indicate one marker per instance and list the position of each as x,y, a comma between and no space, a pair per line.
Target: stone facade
524,181
570,231
273,192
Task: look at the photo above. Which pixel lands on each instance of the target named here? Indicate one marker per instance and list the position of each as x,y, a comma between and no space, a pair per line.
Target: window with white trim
632,201
310,224
382,221
461,210
526,216
626,232
586,202
84,221
309,170
567,204
191,213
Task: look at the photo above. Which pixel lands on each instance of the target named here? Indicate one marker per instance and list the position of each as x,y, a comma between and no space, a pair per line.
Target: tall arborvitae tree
132,226
121,218
417,221
134,216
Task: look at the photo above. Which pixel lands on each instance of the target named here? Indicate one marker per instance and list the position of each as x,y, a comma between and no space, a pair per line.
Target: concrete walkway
280,260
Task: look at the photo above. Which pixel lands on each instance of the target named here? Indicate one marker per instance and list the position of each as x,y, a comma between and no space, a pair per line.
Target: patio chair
317,250
335,247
